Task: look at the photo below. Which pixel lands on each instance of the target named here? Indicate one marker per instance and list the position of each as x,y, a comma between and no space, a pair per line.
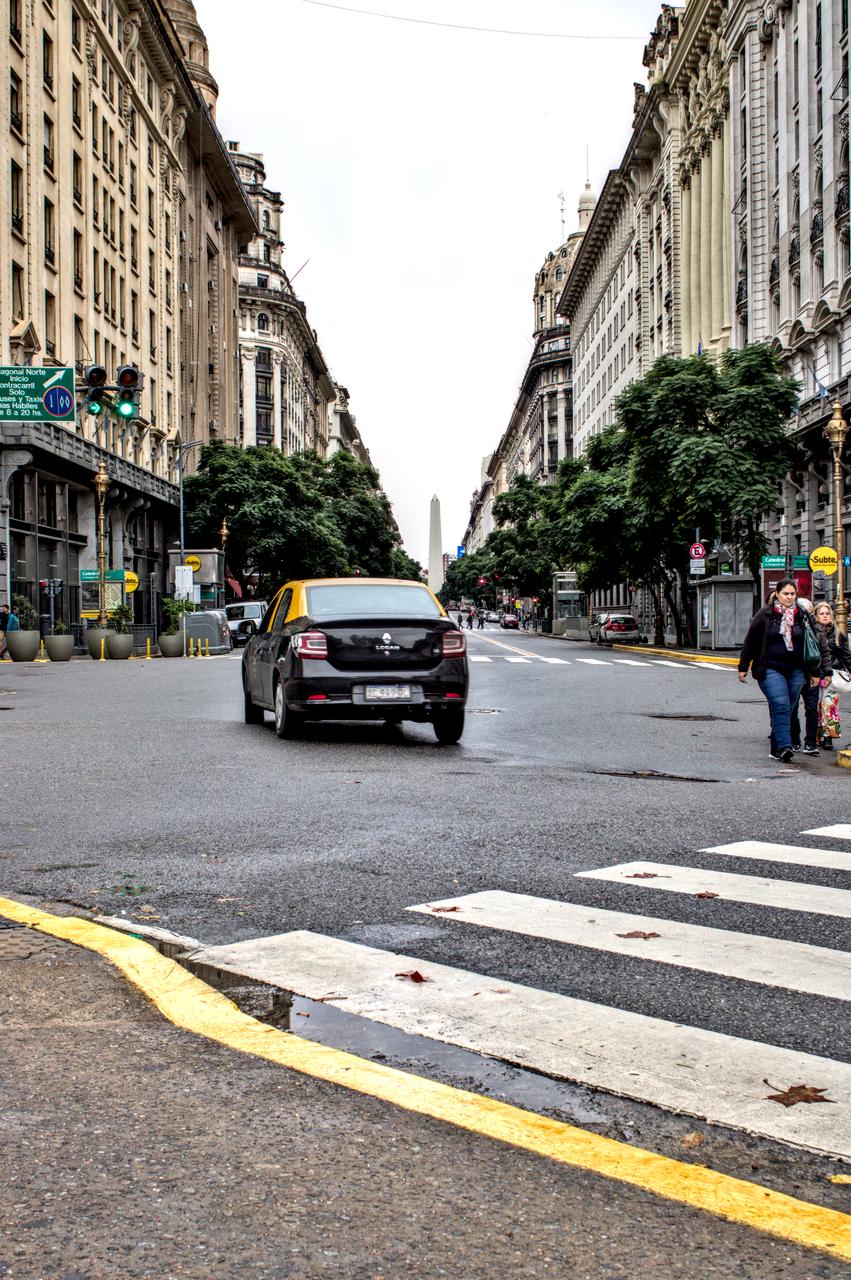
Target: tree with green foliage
292,516
520,546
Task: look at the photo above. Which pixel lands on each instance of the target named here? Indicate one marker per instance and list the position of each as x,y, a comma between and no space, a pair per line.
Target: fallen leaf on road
796,1093
500,991
438,910
299,1014
413,975
646,875
351,782
706,894
691,1140
637,933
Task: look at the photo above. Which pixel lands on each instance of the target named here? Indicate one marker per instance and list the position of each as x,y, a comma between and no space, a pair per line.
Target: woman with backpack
783,650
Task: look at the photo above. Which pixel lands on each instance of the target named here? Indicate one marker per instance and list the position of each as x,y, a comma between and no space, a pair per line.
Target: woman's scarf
787,618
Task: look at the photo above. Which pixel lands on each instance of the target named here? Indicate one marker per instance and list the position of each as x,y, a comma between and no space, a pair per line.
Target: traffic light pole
181,449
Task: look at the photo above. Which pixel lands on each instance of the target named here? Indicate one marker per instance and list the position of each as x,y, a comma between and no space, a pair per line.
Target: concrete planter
94,635
170,646
119,646
59,648
23,645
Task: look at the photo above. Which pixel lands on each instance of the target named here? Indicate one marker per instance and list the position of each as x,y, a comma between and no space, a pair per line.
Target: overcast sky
421,168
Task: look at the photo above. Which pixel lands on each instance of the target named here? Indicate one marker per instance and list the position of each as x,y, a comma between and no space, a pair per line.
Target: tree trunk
688,622
675,613
658,620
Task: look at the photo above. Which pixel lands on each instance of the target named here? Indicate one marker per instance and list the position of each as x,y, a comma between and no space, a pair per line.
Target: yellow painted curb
189,1003
675,653
843,759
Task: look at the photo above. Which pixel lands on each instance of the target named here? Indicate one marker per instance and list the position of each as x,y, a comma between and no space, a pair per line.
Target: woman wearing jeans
774,650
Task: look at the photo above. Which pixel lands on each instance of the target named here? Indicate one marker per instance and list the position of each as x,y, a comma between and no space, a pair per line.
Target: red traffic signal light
94,375
128,377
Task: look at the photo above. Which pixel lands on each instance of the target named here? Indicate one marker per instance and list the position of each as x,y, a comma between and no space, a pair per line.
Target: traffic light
94,376
130,382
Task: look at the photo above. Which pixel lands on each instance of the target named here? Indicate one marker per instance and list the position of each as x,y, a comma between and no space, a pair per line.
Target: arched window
265,219
263,322
559,274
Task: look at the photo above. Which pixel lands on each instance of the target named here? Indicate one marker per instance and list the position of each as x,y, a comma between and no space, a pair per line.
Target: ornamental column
249,398
718,220
705,335
728,294
685,267
694,262
277,432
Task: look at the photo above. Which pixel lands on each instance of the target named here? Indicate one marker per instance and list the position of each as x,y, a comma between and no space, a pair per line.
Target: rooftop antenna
561,206
587,165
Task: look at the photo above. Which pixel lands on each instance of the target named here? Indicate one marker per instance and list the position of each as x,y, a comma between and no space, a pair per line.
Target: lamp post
181,449
101,486
835,433
224,536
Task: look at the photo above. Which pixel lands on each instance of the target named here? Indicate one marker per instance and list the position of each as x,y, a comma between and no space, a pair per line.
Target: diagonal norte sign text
36,395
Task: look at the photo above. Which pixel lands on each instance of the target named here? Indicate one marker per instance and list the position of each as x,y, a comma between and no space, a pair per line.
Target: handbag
812,648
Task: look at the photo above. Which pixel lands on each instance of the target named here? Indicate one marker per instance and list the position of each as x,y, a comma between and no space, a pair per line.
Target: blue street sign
460,553
58,402
847,561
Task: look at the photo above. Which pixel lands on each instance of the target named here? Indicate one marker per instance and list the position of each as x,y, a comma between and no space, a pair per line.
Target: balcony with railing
795,249
16,121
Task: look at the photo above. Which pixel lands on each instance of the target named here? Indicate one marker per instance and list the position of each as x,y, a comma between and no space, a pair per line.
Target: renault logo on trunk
387,645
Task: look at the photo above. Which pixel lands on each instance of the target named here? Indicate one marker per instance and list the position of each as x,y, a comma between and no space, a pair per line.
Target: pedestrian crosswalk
681,1067
529,657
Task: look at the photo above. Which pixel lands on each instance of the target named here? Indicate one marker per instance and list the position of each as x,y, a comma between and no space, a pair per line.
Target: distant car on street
492,617
614,626
356,649
510,620
244,611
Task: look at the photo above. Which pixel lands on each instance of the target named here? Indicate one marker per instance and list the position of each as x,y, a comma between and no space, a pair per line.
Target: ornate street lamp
224,536
101,487
835,433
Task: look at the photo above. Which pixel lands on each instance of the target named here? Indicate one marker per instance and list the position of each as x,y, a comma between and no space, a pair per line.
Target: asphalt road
135,789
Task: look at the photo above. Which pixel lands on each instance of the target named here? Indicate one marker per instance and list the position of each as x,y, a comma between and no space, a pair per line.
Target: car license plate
387,693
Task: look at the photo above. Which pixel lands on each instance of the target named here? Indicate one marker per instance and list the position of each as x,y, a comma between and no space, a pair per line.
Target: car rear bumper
320,691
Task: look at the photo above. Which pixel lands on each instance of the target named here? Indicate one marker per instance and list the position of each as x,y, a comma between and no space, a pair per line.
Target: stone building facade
343,433
119,225
287,392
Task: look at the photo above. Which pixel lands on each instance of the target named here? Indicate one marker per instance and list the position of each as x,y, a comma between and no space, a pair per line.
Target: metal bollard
148,649
41,657
207,654
102,657
191,647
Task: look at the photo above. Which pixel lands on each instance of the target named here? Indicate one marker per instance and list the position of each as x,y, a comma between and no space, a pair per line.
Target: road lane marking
663,662
526,660
798,855
707,1074
561,662
787,895
479,657
838,831
190,1004
630,662
594,662
528,654
795,966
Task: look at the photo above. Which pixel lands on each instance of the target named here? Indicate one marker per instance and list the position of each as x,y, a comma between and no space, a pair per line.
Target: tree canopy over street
698,444
296,515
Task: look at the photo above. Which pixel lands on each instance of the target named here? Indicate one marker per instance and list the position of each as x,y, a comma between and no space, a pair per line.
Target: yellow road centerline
189,1003
527,653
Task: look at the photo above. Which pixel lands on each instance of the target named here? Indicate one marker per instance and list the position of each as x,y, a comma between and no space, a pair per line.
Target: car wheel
449,726
288,724
253,714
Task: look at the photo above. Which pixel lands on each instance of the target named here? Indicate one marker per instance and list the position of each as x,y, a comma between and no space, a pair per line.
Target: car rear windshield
236,612
370,600
622,617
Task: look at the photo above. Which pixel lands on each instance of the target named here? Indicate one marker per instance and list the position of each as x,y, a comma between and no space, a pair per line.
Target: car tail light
311,644
454,644
318,697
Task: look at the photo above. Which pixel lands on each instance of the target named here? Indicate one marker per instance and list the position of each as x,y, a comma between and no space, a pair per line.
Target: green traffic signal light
94,404
126,403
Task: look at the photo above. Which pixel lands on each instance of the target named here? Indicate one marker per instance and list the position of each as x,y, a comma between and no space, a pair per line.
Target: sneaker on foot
810,749
773,755
796,747
786,754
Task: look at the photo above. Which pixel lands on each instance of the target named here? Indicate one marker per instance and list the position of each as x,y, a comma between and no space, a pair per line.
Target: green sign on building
779,562
36,395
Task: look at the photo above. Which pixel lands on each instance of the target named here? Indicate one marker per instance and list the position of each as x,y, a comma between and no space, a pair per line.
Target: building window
262,282
48,144
152,334
47,60
49,323
133,184
94,130
78,261
134,249
76,100
16,192
16,119
134,315
263,322
151,152
15,20
49,232
95,203
75,29
151,210
168,348
17,292
96,279
167,231
152,271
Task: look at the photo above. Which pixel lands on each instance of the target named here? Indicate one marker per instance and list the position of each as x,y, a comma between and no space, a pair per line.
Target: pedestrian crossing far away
682,1068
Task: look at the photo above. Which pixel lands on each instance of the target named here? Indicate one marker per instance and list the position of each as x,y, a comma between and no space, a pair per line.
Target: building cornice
615,192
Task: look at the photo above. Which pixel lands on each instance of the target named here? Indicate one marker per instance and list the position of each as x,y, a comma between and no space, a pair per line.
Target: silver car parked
250,611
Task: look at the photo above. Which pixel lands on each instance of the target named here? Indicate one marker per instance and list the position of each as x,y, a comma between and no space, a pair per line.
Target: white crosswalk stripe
839,831
799,855
683,1068
787,895
594,662
561,662
771,961
479,657
527,661
630,662
680,666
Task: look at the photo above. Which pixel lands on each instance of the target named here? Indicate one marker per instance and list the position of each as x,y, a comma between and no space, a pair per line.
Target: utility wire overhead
458,26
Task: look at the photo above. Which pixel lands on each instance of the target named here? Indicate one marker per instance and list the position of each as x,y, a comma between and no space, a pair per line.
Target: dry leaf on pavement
706,894
691,1140
644,875
796,1093
413,975
439,910
637,933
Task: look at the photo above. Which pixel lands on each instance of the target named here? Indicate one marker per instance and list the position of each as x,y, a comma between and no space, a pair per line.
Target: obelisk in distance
435,547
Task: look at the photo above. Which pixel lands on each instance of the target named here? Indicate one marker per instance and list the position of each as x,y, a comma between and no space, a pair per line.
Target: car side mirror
247,628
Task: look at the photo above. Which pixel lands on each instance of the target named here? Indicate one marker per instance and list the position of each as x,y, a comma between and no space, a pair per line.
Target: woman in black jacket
774,651
840,660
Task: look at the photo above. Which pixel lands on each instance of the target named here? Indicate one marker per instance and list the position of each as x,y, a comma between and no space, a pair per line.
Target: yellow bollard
207,654
102,657
148,649
191,644
42,657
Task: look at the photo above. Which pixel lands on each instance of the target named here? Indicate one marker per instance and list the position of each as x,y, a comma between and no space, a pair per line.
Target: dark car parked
356,648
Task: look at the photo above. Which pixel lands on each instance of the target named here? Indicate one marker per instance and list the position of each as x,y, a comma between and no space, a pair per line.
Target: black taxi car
356,649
